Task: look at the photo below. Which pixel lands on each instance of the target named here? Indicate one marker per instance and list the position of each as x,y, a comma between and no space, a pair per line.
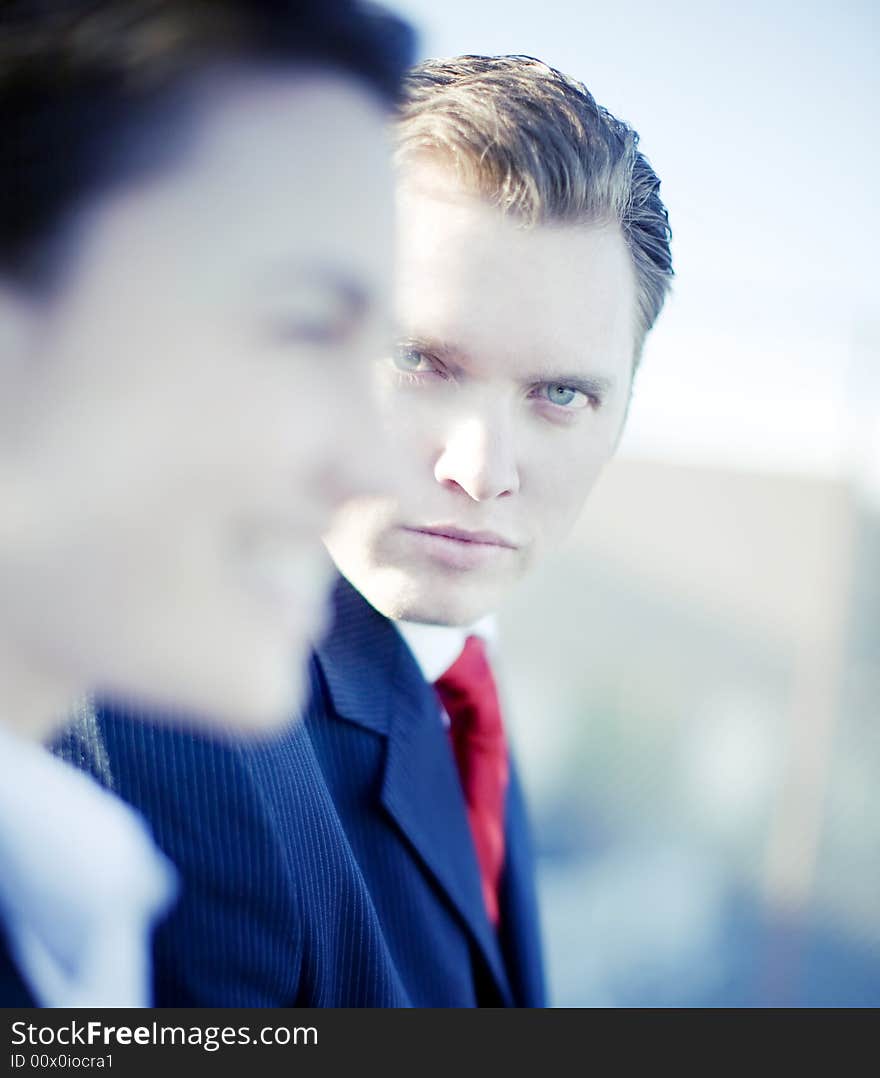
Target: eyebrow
592,385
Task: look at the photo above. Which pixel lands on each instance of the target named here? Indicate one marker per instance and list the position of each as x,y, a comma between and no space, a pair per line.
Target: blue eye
564,396
411,361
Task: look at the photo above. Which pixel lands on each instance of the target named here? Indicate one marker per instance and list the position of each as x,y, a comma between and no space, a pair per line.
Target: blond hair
534,143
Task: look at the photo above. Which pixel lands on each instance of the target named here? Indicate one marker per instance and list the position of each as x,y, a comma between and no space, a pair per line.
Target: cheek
410,415
262,438
411,422
558,483
360,524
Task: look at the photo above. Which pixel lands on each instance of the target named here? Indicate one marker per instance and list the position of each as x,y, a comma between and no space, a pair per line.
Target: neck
33,705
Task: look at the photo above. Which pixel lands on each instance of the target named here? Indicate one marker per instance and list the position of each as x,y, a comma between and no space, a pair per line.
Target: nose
479,457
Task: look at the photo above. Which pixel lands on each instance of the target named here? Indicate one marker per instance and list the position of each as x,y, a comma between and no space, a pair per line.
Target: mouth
461,535
458,548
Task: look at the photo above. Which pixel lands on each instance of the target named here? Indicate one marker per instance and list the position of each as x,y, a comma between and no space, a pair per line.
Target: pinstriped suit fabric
252,832
330,865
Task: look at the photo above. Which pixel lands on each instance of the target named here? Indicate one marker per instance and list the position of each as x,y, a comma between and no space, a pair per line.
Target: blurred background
694,683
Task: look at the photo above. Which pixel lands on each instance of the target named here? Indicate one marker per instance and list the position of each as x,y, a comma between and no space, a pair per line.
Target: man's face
504,401
194,403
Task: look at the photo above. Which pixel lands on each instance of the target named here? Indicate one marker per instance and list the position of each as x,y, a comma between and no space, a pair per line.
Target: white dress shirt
436,647
81,883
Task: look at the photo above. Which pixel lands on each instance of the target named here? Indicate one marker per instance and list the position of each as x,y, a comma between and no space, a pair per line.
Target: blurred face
506,395
183,416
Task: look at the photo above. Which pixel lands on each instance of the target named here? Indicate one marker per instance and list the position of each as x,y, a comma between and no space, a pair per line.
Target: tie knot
467,690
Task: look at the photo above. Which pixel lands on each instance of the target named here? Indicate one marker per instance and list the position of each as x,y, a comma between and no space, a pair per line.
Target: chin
439,603
443,611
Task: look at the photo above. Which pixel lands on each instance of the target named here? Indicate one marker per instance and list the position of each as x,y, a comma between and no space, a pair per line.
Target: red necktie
467,691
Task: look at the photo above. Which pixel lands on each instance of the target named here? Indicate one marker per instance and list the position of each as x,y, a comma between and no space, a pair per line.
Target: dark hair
83,84
534,142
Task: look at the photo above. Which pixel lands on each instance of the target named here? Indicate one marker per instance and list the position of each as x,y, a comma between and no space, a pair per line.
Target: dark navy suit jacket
331,865
13,991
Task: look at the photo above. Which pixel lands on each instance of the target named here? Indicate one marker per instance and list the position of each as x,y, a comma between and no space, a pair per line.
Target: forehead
473,277
304,142
280,167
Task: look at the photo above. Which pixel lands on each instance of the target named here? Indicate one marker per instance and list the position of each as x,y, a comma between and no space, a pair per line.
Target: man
167,458
379,855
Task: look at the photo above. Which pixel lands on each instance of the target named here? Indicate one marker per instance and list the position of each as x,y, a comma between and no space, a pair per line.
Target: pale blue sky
761,120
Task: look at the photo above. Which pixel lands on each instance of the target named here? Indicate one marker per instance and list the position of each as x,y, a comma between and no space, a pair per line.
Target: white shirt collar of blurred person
436,647
82,884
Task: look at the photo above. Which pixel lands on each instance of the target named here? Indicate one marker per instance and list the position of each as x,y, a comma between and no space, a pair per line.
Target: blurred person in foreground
194,266
378,855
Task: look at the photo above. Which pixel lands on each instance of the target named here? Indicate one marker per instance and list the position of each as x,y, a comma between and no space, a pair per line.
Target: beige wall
684,595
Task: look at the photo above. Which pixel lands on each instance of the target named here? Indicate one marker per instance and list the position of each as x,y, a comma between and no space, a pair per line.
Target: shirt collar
82,881
436,647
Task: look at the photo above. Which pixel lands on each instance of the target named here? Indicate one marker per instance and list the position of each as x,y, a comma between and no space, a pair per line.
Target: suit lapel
358,660
375,682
